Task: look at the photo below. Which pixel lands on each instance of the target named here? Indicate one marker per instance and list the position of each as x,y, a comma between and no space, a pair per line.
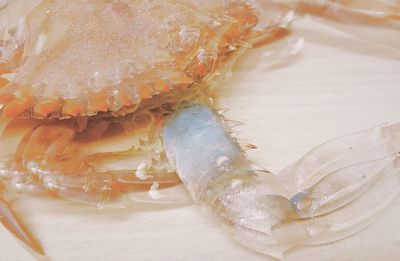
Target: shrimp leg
322,198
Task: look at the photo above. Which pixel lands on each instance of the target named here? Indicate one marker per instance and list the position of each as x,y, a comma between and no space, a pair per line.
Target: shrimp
86,88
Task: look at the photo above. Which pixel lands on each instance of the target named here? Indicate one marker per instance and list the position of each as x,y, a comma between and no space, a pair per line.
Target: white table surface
337,85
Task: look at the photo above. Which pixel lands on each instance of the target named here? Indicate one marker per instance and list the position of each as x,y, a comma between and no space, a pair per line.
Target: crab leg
333,197
14,224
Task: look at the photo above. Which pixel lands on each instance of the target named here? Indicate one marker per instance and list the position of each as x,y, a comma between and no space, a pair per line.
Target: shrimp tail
14,224
332,192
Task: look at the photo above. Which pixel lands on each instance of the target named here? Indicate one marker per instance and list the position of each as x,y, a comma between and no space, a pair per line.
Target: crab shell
86,85
82,58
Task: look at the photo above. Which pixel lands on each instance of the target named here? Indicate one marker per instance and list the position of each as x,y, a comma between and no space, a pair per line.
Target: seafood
311,202
87,86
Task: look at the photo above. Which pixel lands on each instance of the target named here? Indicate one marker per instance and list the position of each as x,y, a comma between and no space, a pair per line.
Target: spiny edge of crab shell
115,100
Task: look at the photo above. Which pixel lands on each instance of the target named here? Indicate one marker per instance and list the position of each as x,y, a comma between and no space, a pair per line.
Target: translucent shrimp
334,191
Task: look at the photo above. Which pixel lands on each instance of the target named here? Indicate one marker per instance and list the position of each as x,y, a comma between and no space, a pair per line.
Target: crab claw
334,191
13,223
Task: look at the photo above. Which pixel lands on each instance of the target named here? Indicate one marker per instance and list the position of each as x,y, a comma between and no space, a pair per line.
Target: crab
87,87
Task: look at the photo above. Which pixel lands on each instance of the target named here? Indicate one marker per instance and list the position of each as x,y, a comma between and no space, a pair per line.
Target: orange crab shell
85,57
